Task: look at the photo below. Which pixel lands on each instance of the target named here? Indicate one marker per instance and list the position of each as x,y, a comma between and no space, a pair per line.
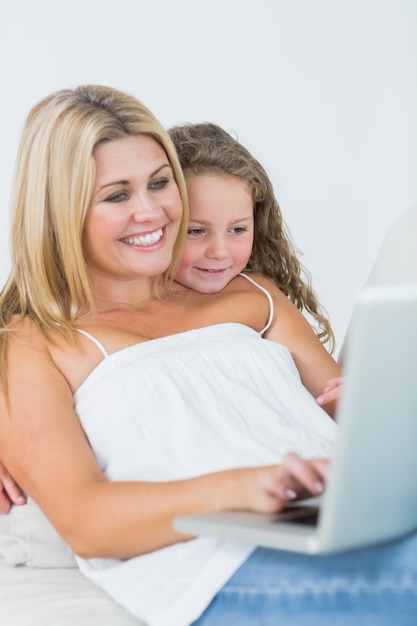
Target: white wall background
324,92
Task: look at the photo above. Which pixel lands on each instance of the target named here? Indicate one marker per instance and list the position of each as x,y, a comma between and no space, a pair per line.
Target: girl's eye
238,230
196,232
159,184
120,196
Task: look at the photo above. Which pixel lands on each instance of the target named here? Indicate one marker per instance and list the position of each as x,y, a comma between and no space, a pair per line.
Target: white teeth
144,240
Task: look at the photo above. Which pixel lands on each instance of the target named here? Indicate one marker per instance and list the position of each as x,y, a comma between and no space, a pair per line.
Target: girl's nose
217,249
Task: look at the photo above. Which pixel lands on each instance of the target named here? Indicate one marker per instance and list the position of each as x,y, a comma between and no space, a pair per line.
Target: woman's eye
120,196
159,184
237,230
196,232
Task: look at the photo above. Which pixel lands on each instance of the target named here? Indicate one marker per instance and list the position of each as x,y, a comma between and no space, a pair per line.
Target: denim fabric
370,587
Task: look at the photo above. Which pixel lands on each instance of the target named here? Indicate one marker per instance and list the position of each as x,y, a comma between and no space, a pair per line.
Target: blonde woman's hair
208,149
52,190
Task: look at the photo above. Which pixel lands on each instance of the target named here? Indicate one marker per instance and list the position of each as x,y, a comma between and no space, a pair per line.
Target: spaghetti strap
94,340
271,303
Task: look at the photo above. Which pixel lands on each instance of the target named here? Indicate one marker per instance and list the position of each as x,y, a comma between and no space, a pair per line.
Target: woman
184,404
235,222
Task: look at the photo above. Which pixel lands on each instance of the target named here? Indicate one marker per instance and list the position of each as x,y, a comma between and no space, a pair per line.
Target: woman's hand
269,489
331,392
10,492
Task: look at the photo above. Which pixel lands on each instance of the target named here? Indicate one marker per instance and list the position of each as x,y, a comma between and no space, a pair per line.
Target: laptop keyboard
303,515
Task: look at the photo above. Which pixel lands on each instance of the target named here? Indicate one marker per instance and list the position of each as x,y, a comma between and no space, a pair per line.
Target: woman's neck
121,295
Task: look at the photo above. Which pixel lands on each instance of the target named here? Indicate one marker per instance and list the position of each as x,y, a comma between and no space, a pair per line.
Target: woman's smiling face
135,212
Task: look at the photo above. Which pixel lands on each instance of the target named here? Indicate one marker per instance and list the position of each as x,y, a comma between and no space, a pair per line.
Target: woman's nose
145,207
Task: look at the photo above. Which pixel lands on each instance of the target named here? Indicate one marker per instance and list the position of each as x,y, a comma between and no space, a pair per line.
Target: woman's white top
180,406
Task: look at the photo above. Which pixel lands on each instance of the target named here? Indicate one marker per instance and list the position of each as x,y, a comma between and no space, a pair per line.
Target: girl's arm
44,448
331,392
290,328
10,492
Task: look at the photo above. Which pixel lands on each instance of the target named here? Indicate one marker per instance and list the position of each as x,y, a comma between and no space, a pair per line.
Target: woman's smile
144,240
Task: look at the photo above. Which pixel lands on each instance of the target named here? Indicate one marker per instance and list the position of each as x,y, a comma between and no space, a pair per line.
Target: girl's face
220,232
135,211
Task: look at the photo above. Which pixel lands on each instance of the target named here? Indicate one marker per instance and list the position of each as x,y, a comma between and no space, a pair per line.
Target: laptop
371,490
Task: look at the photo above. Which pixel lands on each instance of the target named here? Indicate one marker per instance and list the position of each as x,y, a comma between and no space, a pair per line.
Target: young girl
236,222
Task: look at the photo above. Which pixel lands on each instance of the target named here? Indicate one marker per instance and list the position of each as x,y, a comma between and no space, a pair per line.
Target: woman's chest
179,313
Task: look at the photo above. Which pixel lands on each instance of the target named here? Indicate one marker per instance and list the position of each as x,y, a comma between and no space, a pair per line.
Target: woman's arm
290,328
44,448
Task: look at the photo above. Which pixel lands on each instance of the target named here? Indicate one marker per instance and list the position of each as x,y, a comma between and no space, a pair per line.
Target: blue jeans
375,586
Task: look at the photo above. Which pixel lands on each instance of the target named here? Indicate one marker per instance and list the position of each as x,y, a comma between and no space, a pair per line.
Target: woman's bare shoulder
23,332
33,354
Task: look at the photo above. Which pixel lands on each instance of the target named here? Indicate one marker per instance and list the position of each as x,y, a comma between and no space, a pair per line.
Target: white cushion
28,538
56,597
